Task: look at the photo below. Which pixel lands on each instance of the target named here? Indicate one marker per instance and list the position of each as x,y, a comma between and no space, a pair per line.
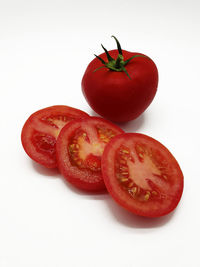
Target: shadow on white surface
134,125
130,126
101,195
118,213
54,173
133,221
50,173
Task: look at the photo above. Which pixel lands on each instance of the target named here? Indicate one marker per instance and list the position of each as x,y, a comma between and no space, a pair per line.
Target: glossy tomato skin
113,94
142,175
79,148
40,132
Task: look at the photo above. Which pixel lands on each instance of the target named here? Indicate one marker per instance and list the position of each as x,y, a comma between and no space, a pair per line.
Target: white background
45,47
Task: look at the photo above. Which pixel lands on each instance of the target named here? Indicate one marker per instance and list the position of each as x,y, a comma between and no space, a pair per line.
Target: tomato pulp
120,94
40,132
79,148
142,175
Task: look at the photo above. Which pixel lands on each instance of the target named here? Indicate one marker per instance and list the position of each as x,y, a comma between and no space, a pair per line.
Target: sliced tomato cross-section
40,132
79,148
142,175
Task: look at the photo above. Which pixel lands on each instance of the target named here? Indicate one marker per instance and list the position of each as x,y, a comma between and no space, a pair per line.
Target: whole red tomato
119,85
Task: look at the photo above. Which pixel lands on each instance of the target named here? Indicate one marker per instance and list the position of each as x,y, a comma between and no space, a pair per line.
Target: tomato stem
102,61
107,54
116,64
118,45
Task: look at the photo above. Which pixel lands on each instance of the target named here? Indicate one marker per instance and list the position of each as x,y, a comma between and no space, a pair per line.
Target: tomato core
139,174
57,121
85,151
45,143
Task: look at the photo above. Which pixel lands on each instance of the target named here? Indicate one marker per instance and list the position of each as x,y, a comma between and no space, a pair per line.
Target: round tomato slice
142,175
40,132
79,149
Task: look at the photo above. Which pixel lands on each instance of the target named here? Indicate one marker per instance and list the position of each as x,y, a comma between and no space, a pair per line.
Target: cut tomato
79,149
41,130
142,175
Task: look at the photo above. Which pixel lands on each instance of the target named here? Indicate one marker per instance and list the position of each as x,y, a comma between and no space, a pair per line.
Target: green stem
118,45
107,54
128,60
116,64
102,61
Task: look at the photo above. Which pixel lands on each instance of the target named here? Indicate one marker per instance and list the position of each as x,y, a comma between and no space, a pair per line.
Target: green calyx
115,64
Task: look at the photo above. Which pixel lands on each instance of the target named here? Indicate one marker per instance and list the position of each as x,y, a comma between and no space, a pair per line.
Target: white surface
45,47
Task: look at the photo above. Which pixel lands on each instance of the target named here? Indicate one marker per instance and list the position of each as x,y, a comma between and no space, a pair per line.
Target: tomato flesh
40,132
79,148
44,143
142,175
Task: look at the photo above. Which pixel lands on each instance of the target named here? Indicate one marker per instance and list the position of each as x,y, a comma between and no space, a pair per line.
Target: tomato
79,149
120,85
41,130
142,175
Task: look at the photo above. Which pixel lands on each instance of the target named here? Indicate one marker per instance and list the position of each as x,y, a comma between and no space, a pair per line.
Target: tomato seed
124,180
147,195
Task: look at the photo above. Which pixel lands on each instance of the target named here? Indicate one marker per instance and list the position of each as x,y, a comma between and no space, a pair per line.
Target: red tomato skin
113,94
83,180
125,202
28,129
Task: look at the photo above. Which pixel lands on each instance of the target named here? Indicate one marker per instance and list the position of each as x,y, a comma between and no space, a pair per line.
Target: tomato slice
142,175
79,149
40,132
